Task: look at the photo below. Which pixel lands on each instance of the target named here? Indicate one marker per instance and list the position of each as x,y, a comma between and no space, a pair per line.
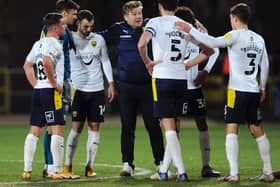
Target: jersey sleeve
31,57
264,65
212,59
106,63
151,27
49,49
192,39
215,42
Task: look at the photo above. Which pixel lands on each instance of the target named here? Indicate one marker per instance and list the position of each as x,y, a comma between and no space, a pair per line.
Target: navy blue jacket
131,68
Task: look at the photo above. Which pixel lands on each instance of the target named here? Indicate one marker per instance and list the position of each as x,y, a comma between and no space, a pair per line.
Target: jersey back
246,52
169,46
52,48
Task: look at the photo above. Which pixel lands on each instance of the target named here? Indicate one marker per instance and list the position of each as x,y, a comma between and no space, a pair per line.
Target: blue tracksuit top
68,44
131,68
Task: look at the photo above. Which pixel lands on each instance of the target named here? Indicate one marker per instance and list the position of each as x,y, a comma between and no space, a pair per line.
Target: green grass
108,158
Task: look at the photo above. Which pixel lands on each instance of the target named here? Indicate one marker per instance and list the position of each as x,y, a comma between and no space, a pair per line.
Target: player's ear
78,23
63,13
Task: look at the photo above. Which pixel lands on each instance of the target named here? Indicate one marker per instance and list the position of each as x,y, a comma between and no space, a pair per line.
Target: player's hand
150,66
58,88
111,92
188,66
200,27
183,26
262,95
200,78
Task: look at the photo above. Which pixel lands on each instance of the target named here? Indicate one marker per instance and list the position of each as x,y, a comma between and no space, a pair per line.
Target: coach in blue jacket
135,91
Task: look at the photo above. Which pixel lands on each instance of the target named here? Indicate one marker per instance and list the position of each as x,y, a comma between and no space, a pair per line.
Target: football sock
30,145
175,150
57,148
165,165
264,149
47,152
204,147
166,160
92,146
232,149
71,145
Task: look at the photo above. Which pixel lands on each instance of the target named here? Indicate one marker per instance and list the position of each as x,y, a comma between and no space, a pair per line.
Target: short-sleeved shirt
52,48
169,46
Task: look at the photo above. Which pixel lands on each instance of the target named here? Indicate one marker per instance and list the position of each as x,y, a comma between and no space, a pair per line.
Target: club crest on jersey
93,43
49,115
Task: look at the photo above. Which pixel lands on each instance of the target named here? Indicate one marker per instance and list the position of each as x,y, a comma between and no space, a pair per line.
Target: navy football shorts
88,105
46,108
168,95
242,107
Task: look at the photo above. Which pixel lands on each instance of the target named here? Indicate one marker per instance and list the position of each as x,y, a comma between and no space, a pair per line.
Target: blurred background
21,23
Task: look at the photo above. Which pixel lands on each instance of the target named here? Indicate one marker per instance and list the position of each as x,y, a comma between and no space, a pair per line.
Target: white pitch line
138,172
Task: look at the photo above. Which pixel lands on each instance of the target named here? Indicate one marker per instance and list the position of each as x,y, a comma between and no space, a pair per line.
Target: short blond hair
128,6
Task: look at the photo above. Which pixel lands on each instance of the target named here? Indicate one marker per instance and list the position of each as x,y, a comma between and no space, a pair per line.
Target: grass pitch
108,160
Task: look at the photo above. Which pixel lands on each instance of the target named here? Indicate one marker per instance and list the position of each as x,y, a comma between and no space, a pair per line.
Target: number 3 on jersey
251,56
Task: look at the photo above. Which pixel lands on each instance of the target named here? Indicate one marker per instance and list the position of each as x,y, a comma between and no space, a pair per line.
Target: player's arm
211,61
264,65
107,68
143,47
215,42
205,53
49,71
28,66
201,76
143,50
201,57
29,73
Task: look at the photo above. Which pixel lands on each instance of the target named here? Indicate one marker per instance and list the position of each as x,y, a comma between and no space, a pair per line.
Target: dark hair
128,6
85,14
66,5
186,14
242,11
170,5
52,18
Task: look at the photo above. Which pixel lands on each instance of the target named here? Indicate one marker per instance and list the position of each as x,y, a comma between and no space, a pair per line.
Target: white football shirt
191,52
169,46
52,48
247,52
86,71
